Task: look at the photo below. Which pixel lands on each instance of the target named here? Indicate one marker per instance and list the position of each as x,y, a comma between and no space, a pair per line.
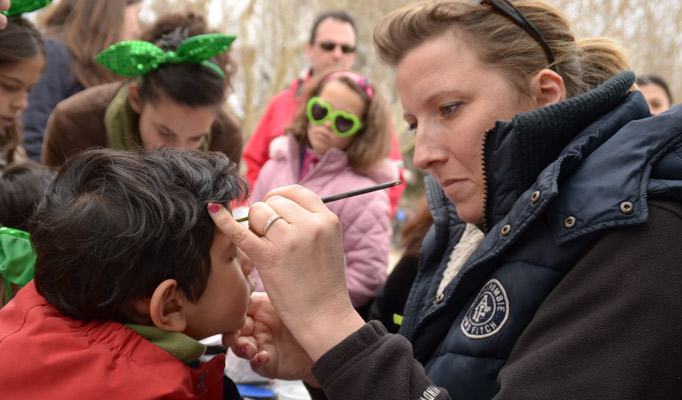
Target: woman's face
169,124
16,80
340,97
656,97
131,23
450,98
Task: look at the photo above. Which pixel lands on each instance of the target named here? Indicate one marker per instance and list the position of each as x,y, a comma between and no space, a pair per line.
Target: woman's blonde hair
371,143
86,27
501,43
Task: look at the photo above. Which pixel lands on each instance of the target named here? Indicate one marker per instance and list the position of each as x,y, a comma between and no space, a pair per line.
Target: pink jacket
365,219
278,114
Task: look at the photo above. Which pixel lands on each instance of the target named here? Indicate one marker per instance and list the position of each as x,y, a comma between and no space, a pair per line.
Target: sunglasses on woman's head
330,46
506,8
344,124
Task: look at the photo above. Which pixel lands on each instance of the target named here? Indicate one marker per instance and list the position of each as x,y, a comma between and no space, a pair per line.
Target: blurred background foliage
272,35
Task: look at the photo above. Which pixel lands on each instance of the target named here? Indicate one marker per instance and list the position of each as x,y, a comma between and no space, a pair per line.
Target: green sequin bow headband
138,58
19,7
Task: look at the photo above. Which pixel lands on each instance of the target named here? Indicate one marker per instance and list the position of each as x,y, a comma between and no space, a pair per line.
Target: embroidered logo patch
489,312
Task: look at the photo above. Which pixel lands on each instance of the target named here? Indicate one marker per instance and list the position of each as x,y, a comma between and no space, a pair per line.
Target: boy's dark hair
190,84
339,15
114,224
22,185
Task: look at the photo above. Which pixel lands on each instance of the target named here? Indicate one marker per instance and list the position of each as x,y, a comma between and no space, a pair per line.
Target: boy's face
222,306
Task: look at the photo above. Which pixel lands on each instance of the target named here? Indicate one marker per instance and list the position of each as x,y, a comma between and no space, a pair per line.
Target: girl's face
340,97
169,124
450,99
16,80
131,23
656,97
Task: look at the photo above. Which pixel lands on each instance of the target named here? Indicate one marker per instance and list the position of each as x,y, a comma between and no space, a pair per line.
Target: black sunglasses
330,46
507,9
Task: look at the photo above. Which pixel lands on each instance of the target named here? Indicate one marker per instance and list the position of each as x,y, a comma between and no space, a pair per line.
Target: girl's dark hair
371,143
19,41
87,27
115,224
22,185
193,85
653,79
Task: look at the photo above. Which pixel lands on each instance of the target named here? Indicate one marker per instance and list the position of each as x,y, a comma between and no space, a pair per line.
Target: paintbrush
346,195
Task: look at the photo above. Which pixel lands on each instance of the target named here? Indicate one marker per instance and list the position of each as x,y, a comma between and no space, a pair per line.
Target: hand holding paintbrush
346,195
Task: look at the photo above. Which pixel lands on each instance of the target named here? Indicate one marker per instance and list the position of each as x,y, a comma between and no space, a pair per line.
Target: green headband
19,7
138,58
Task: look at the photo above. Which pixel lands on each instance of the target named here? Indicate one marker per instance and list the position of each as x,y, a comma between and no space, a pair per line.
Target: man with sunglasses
332,44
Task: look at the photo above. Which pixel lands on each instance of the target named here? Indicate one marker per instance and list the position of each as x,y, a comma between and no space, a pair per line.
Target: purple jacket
365,219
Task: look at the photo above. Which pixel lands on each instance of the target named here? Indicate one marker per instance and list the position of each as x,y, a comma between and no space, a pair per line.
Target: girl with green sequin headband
182,67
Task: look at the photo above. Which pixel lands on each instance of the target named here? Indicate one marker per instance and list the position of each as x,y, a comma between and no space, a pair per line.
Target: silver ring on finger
270,222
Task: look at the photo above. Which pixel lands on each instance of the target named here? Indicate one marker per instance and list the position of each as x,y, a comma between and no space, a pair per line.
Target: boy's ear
548,88
134,97
167,307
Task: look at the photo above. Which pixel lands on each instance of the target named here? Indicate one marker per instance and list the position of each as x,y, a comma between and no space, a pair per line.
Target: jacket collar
516,152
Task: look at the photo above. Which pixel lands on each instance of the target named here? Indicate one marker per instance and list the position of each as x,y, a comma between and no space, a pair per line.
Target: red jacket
46,355
277,116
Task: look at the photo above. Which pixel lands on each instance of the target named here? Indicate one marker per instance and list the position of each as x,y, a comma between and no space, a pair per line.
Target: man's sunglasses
330,46
507,9
343,124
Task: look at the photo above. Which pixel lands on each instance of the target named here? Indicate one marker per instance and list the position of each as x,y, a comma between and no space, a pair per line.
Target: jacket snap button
439,298
535,196
626,207
569,222
505,230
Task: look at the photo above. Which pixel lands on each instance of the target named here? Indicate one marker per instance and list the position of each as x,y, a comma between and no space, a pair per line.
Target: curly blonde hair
370,144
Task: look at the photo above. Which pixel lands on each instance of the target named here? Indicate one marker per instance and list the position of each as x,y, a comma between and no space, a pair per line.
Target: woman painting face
450,108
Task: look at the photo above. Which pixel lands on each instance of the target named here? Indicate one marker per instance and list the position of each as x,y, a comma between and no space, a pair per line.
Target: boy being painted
130,273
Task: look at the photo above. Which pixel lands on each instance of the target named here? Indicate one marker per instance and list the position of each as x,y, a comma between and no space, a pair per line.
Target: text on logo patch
488,313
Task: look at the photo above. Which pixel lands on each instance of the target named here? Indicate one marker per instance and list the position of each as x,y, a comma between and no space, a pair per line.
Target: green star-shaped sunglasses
138,58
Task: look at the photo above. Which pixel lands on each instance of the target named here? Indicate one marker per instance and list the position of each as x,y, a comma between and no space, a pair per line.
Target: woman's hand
268,344
300,261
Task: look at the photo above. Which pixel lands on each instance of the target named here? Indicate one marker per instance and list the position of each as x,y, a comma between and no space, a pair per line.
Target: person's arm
367,241
611,328
56,84
255,153
71,128
306,241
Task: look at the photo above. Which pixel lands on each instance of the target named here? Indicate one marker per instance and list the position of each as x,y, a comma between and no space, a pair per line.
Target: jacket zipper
486,160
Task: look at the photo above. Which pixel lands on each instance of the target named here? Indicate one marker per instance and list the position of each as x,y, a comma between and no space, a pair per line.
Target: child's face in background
16,80
340,97
222,306
168,124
